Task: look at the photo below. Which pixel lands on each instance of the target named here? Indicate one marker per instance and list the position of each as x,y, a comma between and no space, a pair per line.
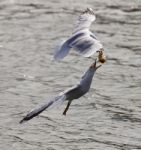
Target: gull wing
36,111
96,46
85,19
61,51
86,44
69,89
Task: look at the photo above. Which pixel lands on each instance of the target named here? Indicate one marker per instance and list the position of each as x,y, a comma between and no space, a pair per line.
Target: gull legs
66,109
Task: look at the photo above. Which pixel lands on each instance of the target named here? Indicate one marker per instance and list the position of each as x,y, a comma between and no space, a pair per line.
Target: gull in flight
73,93
82,39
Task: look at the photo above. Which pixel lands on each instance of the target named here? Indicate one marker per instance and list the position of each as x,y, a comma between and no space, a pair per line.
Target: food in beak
101,57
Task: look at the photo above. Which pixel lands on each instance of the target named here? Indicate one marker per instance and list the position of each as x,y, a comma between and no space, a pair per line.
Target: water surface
109,116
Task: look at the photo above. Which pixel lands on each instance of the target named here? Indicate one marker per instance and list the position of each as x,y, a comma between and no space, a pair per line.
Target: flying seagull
82,39
73,93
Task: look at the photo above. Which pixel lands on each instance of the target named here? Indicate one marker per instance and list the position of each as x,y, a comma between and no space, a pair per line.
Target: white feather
84,21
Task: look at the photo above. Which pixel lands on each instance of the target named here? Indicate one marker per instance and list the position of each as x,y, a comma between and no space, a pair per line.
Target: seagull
82,39
69,95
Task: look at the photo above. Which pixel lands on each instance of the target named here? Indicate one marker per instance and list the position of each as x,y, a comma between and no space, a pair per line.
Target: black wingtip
89,11
22,121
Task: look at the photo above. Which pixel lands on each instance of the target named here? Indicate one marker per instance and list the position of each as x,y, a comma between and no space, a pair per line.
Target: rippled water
109,116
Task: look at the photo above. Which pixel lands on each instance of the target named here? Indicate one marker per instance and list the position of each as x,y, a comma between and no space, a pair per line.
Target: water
109,116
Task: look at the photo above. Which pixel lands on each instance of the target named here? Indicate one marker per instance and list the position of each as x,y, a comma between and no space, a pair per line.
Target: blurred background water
109,116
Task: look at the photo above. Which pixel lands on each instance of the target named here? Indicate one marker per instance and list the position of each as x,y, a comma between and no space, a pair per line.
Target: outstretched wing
86,44
96,46
85,19
61,51
55,101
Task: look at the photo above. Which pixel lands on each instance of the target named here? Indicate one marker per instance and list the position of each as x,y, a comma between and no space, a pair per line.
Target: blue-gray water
109,116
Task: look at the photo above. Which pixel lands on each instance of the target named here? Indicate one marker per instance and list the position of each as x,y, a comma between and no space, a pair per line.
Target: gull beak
94,65
98,66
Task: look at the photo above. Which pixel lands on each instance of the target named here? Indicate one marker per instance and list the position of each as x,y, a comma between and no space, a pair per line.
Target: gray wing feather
57,100
96,46
62,51
84,21
85,44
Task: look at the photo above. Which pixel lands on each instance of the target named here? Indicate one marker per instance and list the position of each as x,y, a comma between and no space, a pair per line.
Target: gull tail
61,51
35,112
